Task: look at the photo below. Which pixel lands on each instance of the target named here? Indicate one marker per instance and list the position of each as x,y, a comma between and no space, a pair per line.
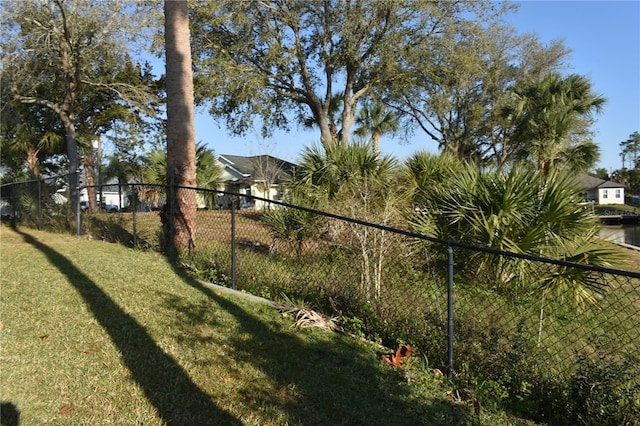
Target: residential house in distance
114,196
111,196
601,191
261,176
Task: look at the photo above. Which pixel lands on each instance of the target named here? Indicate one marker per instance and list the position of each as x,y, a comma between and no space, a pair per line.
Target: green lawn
95,333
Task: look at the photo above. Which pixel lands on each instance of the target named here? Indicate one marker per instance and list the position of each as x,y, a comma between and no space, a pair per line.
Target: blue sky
604,37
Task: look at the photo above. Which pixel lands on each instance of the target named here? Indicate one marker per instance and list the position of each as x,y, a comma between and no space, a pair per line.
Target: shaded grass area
95,333
210,224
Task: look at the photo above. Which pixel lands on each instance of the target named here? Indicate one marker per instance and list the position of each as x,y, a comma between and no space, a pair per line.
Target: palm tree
208,170
180,212
504,211
376,120
424,170
208,173
29,135
31,145
580,157
547,113
154,171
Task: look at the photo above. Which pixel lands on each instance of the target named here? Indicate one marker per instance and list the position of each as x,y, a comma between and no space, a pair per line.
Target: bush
605,391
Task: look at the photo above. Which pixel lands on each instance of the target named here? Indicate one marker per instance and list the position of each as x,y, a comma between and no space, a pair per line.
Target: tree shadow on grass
314,390
113,230
9,414
166,385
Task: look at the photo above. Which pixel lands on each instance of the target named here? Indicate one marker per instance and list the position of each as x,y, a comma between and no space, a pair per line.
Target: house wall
611,196
114,199
274,193
253,190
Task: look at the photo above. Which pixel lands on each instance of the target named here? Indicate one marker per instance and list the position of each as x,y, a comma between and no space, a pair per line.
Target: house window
605,194
617,193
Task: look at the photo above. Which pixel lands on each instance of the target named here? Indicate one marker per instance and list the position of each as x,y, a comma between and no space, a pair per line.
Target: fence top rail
449,243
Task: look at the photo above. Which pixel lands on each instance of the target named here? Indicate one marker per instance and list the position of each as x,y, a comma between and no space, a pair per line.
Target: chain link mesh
523,337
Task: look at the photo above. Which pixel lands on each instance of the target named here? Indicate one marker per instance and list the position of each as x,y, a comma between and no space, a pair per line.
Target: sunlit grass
95,333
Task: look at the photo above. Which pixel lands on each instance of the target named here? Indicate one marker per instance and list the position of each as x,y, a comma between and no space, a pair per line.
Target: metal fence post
233,241
134,201
450,309
39,206
78,212
172,215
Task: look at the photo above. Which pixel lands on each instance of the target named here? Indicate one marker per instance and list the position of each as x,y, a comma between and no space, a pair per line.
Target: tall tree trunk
181,167
327,133
72,155
92,179
375,140
348,118
321,115
33,163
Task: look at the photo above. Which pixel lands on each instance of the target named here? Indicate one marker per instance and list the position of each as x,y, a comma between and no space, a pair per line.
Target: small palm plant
355,181
293,227
584,286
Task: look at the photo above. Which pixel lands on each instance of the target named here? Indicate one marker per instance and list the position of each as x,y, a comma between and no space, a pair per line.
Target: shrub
604,391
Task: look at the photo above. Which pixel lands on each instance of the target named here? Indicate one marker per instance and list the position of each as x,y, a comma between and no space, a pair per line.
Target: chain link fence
560,354
41,203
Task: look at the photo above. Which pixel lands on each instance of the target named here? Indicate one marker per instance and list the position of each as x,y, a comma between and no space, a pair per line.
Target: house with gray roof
261,176
601,191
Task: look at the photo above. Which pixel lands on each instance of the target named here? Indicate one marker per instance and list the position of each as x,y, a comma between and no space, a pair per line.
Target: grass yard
95,333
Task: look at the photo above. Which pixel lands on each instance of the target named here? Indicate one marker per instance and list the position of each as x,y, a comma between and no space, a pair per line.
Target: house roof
587,183
257,168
